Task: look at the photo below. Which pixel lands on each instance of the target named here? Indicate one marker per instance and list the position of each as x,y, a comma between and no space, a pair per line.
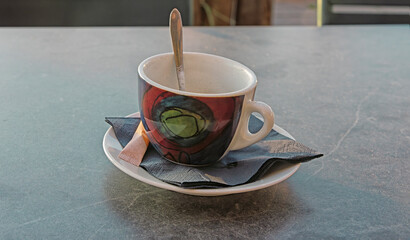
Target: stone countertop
343,90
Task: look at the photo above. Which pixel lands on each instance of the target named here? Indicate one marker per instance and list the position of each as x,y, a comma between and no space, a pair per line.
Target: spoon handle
175,27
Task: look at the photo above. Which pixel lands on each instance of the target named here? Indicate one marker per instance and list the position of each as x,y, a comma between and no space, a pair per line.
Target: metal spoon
175,27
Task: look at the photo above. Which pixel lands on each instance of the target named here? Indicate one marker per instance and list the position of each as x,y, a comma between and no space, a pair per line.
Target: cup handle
245,138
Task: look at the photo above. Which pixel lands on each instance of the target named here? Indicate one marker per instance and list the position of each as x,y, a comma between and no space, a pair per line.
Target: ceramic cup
200,125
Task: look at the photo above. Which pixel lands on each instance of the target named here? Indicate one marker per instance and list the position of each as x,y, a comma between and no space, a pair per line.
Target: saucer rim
138,173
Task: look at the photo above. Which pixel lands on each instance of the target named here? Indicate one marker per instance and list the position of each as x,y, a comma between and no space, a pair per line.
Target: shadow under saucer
154,212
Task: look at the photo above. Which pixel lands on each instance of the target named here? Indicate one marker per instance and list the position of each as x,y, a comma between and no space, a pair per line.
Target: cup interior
204,74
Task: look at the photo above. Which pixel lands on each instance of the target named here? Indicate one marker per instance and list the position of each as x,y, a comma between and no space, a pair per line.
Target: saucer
280,172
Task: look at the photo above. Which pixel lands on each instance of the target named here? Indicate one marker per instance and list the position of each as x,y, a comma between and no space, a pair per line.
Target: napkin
237,167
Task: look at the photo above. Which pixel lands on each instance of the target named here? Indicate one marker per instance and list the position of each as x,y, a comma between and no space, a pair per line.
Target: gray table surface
343,90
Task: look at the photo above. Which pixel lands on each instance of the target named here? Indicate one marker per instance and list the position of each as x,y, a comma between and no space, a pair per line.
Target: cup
199,126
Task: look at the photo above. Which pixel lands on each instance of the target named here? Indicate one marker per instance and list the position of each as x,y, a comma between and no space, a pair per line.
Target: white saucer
278,173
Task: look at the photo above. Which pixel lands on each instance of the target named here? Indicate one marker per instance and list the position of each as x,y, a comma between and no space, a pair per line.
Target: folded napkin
236,168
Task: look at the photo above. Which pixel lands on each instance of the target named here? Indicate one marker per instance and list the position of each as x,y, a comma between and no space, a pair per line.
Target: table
342,90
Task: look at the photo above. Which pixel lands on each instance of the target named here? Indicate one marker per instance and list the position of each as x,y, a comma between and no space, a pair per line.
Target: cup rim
239,92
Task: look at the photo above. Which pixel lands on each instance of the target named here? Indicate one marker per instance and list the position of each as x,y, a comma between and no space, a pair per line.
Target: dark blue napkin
236,168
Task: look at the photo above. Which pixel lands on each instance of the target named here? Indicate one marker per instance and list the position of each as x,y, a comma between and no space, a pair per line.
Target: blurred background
201,12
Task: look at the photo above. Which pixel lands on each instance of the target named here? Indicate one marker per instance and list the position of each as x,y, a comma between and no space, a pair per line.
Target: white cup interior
204,74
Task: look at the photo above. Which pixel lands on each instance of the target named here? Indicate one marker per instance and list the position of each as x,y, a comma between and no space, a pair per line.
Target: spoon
175,27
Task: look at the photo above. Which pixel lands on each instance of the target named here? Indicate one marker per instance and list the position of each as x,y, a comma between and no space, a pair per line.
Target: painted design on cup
186,129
